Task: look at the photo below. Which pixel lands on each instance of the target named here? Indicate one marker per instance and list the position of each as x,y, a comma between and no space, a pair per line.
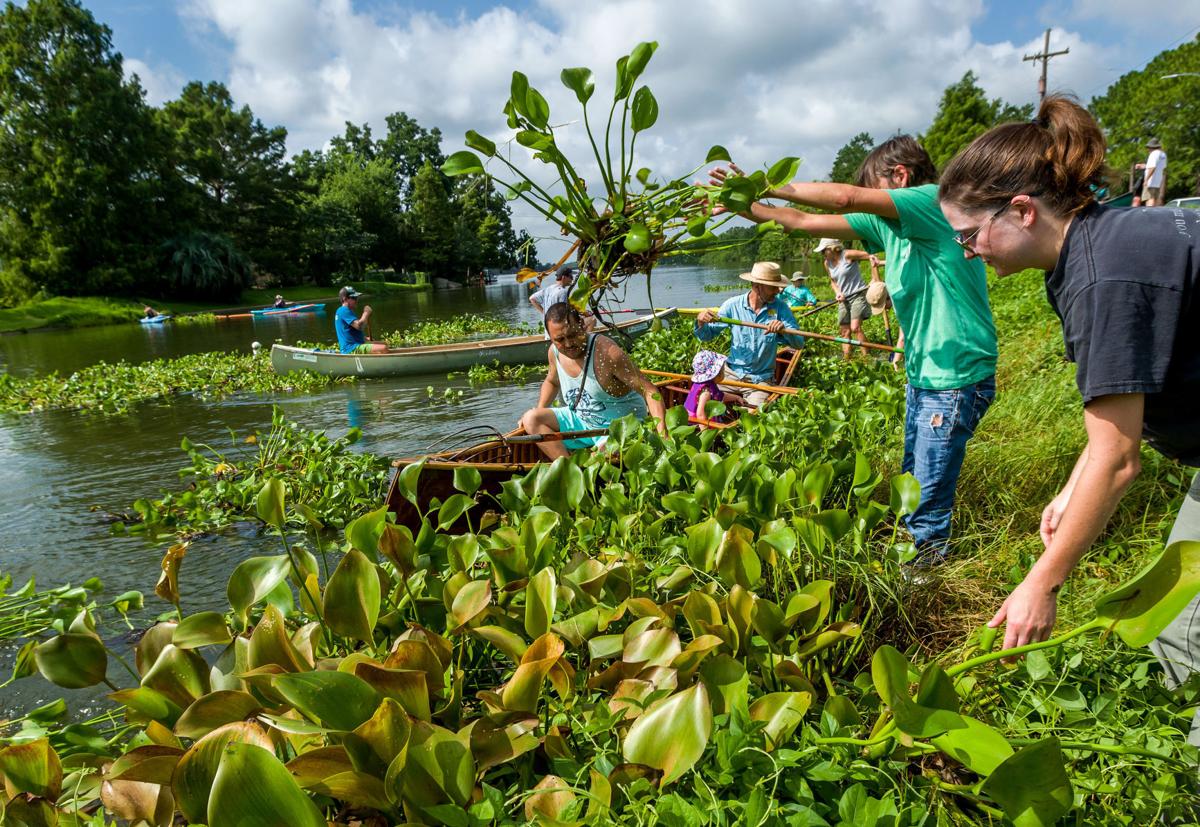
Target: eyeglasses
967,242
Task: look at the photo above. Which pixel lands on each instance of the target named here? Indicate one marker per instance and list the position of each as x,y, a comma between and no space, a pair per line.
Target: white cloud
162,82
766,79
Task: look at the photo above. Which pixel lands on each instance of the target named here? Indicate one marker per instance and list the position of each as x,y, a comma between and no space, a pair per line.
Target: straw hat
827,243
877,297
766,272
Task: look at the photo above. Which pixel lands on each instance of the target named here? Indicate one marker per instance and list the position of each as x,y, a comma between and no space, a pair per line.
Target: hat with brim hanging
828,243
1154,143
765,272
798,276
707,365
877,297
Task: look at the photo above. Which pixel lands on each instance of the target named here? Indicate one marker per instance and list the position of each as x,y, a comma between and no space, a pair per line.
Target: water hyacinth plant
669,636
626,220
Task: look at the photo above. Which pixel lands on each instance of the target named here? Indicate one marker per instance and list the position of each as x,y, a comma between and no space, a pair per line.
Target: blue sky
765,78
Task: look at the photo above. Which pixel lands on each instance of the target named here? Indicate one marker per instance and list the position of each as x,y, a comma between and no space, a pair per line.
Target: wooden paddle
555,436
733,383
810,335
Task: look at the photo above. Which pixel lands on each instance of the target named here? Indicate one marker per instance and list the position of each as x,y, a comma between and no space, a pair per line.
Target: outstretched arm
1109,464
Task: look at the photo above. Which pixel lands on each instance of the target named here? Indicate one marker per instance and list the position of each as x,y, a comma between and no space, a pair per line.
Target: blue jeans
937,425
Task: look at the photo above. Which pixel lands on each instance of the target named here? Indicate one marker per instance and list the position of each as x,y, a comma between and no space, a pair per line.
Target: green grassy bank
91,311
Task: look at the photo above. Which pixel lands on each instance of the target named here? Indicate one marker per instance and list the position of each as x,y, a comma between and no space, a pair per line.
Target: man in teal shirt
797,294
941,302
752,352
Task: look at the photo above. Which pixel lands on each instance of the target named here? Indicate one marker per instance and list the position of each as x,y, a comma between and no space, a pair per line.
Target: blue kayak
297,308
159,319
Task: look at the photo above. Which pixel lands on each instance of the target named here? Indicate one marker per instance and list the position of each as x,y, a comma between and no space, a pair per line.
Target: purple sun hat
706,365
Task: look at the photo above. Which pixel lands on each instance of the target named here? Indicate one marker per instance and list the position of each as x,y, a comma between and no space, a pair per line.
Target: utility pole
1044,56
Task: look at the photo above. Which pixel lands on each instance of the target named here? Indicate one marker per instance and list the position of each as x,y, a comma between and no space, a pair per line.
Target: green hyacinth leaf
252,787
72,661
671,735
541,596
270,501
463,162
202,629
479,143
1032,785
580,81
192,781
717,153
364,532
252,580
335,699
781,712
32,768
906,494
1142,607
644,110
637,240
352,597
782,171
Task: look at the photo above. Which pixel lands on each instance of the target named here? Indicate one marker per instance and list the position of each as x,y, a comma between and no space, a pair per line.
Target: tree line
102,193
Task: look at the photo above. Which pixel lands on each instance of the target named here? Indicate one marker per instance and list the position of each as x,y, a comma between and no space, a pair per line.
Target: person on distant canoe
708,369
349,325
596,381
280,301
149,312
797,293
752,352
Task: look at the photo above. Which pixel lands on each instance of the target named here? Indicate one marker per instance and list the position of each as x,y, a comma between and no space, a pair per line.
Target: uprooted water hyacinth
661,634
624,219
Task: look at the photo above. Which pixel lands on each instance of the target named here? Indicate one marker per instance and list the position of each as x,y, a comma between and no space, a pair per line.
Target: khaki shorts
855,308
1151,193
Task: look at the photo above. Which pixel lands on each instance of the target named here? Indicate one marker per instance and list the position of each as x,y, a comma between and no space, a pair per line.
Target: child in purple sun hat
708,368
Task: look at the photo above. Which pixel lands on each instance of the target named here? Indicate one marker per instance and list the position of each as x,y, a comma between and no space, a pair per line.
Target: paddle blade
525,274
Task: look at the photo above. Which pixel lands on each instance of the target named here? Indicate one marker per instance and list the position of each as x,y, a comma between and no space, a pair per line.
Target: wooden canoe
415,361
497,460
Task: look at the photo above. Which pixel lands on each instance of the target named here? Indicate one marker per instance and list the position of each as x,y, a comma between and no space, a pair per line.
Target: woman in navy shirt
1124,283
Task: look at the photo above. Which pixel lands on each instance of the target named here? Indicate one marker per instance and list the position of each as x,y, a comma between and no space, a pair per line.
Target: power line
1141,65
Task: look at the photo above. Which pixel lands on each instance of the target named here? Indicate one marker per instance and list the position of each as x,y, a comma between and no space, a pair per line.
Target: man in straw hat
752,353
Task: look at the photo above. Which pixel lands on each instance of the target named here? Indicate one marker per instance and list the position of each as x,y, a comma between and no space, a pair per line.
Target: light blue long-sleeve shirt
752,352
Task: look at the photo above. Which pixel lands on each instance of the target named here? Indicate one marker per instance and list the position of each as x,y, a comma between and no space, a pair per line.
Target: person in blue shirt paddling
349,326
752,352
797,293
596,381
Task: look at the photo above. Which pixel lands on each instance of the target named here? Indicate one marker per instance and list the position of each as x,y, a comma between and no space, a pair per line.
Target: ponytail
1059,155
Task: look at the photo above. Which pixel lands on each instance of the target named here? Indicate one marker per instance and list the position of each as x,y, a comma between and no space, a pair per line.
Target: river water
57,467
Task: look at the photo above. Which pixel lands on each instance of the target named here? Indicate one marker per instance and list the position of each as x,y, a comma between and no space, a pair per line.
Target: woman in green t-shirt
941,303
